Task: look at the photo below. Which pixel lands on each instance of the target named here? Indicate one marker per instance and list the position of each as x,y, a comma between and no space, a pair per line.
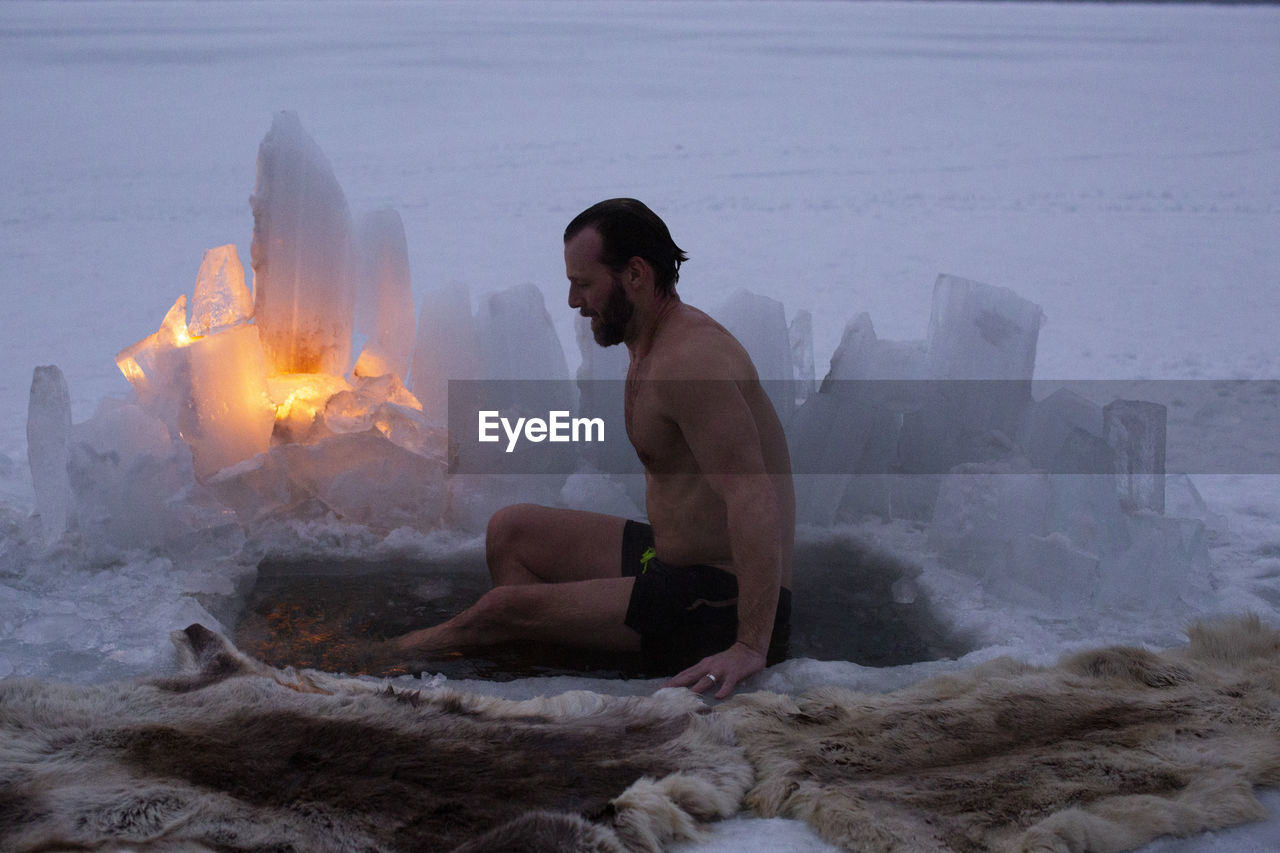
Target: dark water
321,615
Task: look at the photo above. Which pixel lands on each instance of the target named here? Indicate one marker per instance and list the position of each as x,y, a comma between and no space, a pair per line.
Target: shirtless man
705,586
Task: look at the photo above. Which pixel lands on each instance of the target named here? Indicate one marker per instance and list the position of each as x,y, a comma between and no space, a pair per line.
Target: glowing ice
221,297
157,365
384,301
230,417
303,294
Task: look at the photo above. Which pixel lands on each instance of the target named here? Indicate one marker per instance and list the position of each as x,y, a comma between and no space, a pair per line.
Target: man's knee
507,528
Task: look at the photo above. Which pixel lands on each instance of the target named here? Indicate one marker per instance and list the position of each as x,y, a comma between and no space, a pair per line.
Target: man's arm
716,421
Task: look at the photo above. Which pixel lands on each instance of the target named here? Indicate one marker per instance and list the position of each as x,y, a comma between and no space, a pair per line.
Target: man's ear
638,273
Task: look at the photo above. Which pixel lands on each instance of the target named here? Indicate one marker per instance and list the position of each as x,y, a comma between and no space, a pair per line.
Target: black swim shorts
684,613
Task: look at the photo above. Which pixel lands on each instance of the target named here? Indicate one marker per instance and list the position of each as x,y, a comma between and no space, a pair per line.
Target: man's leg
586,613
527,543
557,579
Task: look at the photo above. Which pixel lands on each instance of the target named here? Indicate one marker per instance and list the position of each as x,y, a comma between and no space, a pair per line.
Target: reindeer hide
233,755
1103,752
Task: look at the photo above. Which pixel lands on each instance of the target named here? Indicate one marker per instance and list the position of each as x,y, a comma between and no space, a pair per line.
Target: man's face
595,290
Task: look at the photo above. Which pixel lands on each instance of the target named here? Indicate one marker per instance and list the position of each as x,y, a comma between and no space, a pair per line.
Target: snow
1116,165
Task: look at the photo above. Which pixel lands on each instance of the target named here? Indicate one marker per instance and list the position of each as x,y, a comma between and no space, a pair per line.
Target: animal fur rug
1104,752
233,755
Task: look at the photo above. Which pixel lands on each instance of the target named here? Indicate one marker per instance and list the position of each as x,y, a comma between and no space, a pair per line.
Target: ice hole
850,603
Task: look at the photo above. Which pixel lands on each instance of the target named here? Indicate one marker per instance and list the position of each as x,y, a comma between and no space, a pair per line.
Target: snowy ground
1118,165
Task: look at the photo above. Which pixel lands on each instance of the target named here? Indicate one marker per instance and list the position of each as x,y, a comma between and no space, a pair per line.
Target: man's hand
722,671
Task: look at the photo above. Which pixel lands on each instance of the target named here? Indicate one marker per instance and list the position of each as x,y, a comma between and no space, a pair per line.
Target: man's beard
609,327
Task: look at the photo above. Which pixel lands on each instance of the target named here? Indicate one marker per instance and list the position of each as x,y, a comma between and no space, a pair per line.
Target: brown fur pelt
233,755
1104,752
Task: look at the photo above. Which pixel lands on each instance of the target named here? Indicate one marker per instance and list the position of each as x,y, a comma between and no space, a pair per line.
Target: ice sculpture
303,293
48,427
384,296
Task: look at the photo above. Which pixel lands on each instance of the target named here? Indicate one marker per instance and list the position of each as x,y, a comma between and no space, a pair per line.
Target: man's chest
653,433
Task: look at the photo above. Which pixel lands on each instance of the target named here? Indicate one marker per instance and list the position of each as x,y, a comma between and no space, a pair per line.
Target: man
706,583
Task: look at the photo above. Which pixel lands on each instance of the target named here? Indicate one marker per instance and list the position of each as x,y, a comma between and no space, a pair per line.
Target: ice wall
303,293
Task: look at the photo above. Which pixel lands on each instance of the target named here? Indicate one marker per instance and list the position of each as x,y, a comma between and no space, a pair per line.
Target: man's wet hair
628,229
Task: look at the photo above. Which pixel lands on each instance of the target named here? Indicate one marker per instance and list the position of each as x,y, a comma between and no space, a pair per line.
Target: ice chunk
1167,559
983,512
800,333
977,331
861,355
760,325
300,399
519,343
1085,510
1183,500
1136,432
841,441
384,296
1058,428
518,338
981,356
382,403
446,347
1059,575
258,488
125,430
131,477
231,415
355,410
301,253
221,297
157,366
48,430
368,479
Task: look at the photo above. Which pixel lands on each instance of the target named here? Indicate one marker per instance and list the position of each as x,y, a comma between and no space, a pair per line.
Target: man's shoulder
698,347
